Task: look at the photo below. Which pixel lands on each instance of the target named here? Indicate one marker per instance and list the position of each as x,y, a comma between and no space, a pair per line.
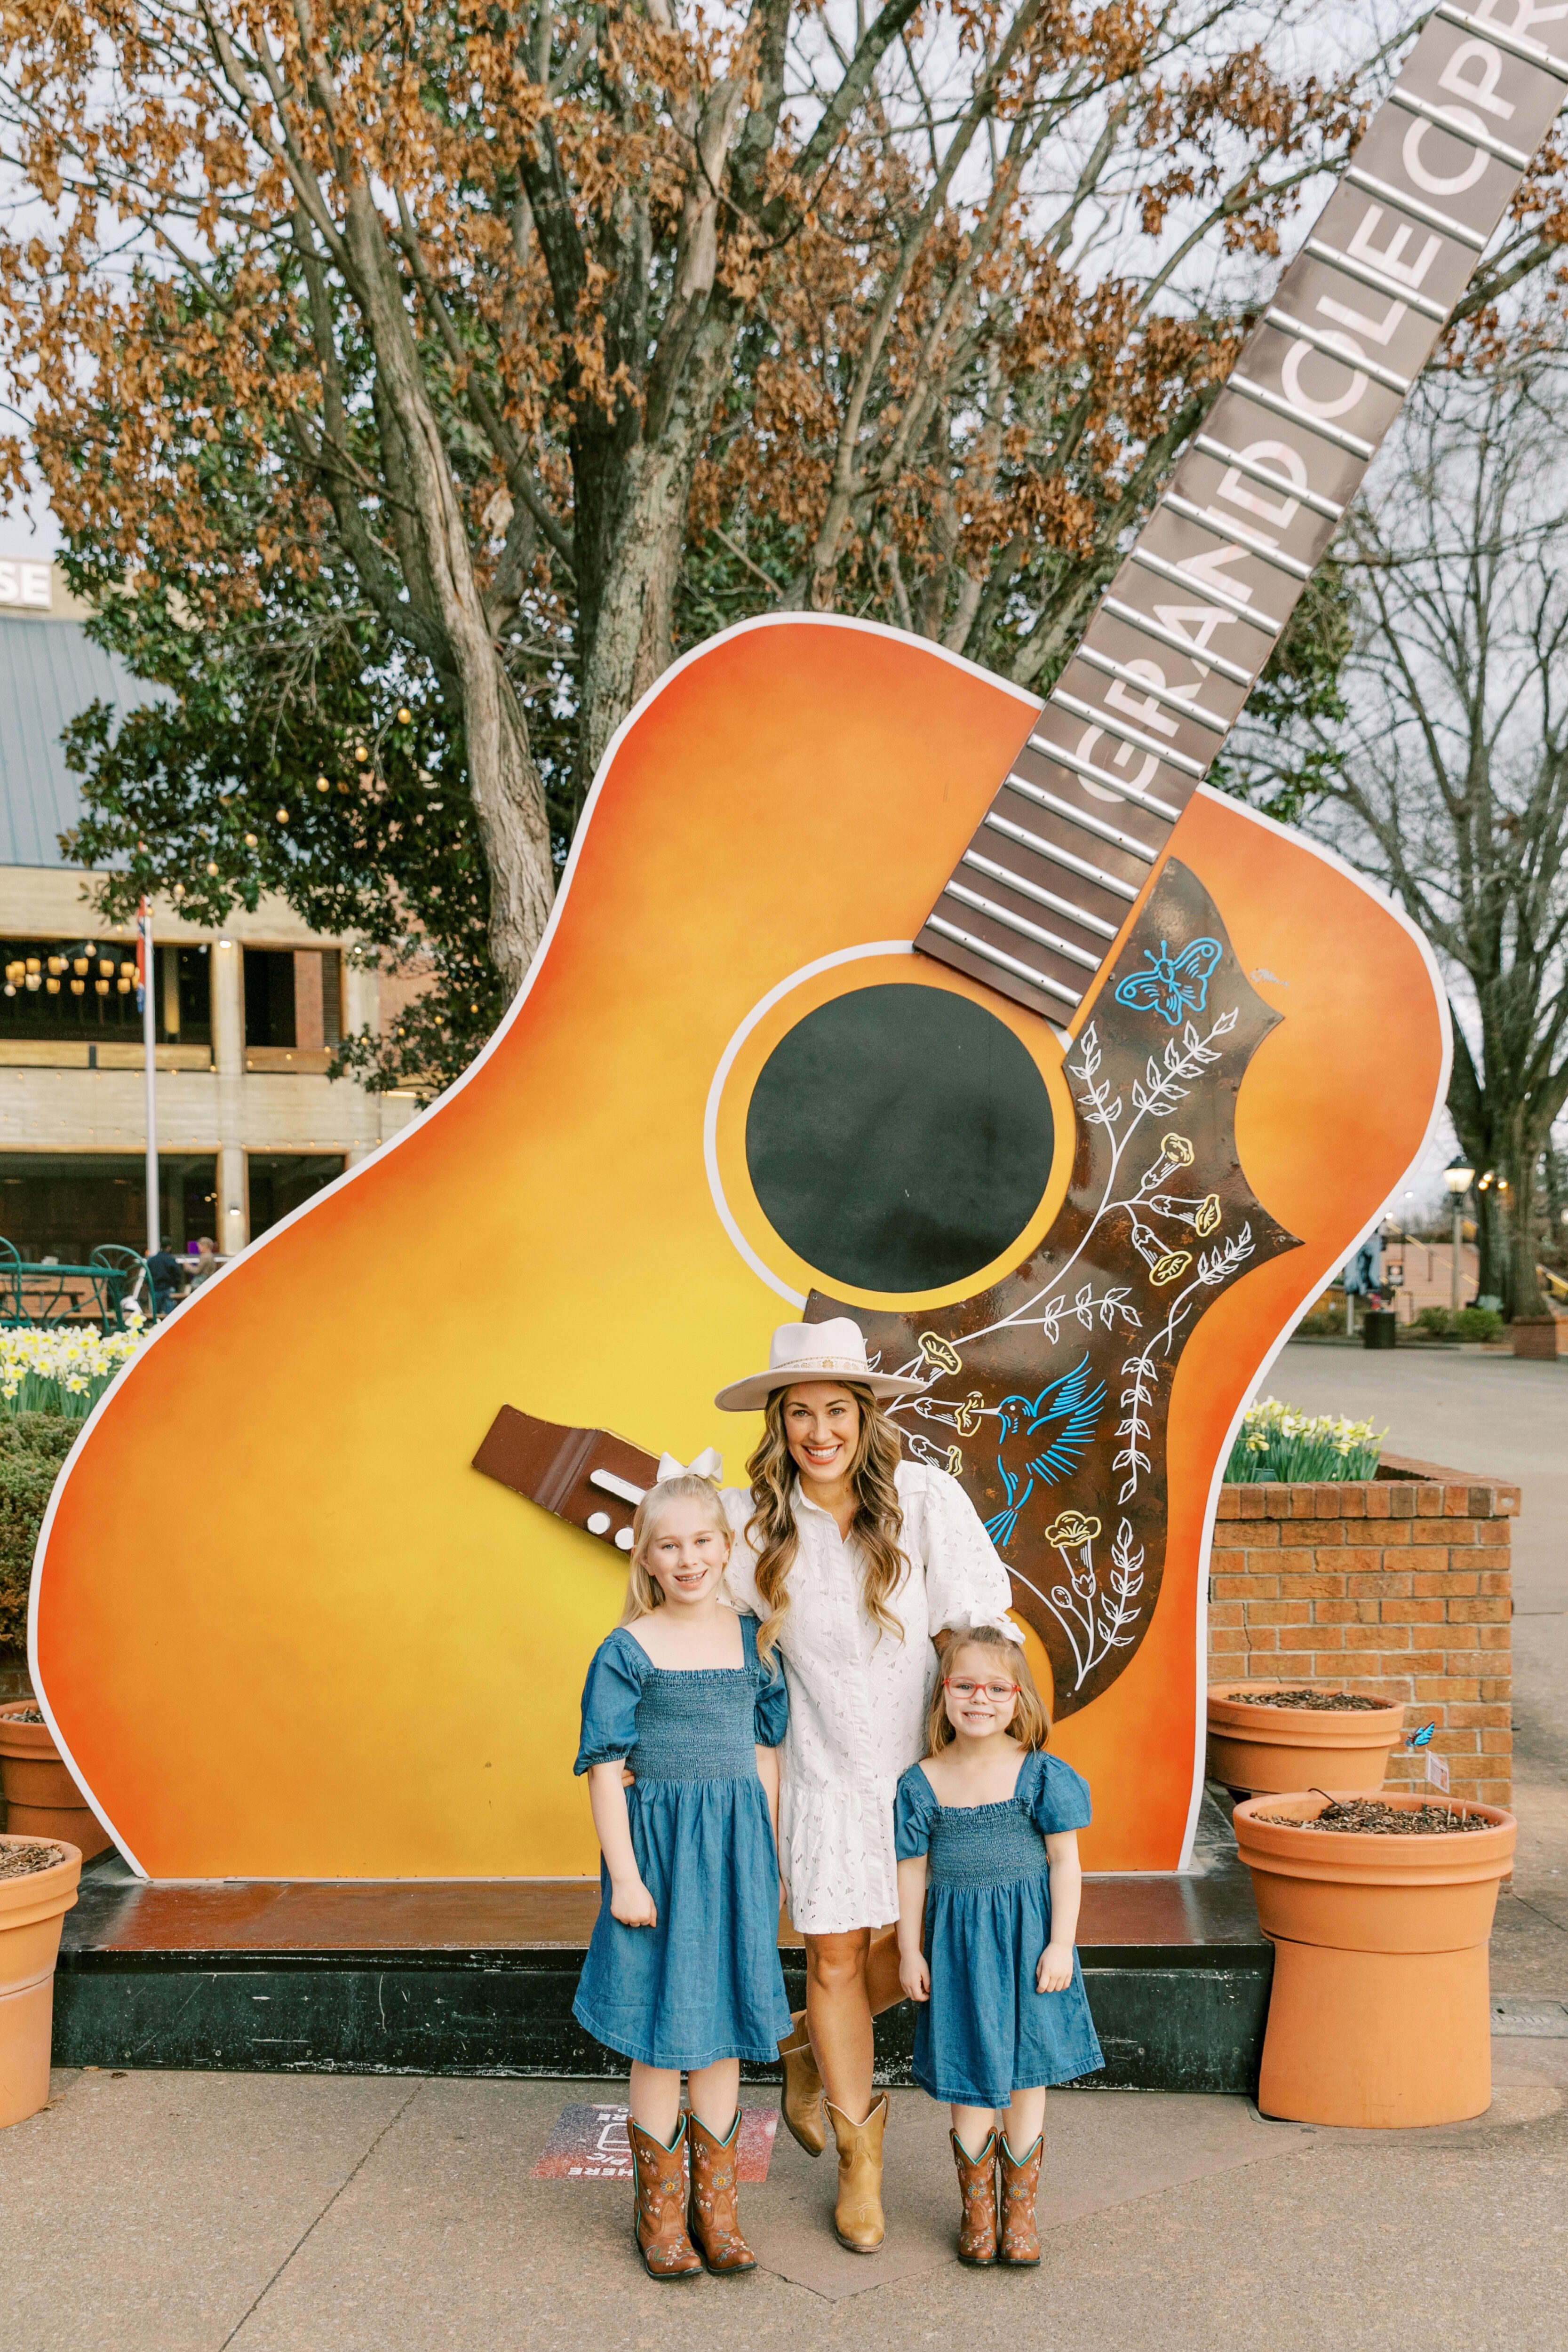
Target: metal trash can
1378,1327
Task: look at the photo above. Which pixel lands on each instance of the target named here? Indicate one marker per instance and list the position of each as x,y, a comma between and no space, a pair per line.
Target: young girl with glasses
987,1830
683,1973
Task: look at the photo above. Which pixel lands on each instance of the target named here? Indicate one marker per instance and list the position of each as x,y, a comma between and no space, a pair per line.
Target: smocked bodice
696,1725
985,1845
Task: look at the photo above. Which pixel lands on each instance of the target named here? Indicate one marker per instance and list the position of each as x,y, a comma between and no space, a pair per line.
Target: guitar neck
1040,896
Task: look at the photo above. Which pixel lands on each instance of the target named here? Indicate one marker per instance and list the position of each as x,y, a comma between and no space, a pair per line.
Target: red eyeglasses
965,1691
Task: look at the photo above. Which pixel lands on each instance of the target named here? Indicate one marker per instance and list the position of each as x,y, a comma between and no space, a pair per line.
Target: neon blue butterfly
1421,1739
1173,984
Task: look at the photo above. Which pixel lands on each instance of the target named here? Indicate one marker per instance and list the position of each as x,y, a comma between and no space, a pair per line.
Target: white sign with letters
24,580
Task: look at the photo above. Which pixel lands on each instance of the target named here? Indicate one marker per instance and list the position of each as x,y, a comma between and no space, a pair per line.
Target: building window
293,1006
63,1204
83,993
280,1182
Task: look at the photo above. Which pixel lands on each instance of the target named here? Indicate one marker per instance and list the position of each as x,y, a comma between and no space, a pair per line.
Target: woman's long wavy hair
877,1524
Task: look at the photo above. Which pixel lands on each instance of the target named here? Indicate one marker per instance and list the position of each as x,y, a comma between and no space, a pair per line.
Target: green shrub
1470,1323
1324,1320
32,1447
1277,1444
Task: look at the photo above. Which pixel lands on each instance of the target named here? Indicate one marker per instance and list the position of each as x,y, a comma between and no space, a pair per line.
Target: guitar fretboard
1163,669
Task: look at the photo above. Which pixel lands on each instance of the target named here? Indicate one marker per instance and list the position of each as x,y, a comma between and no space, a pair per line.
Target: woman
857,1564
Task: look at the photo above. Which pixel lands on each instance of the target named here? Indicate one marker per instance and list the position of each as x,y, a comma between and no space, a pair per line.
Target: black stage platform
476,1977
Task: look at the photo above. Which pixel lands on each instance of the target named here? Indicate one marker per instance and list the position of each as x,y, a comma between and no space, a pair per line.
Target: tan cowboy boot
713,2218
660,2188
857,2214
1020,2180
978,2187
800,2102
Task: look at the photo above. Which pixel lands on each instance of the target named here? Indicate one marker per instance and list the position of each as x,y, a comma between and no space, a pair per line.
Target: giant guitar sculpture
873,986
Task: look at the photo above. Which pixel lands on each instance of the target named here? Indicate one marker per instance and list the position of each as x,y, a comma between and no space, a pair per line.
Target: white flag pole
146,977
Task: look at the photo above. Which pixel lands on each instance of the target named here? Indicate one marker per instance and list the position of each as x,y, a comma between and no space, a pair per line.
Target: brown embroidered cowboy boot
714,2218
801,2101
661,2187
857,2214
1020,2180
978,2187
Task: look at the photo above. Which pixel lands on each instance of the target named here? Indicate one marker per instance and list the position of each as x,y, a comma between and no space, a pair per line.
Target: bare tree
1449,777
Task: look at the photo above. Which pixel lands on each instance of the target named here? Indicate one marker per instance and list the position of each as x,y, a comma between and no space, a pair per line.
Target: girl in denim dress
683,1973
987,1830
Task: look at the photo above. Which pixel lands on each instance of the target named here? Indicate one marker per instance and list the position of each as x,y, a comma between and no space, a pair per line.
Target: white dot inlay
623,1540
598,1523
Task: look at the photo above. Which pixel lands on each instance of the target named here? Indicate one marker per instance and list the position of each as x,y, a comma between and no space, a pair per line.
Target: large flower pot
1379,2014
1254,1750
42,1800
31,1910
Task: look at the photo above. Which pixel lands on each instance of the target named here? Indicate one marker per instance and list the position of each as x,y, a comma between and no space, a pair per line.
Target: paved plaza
191,2212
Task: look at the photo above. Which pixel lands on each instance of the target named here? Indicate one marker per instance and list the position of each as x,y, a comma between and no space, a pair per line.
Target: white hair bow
709,1464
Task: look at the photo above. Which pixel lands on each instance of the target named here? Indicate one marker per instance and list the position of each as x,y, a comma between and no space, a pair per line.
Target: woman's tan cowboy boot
857,2214
1020,2180
714,2218
800,2103
978,2187
659,2186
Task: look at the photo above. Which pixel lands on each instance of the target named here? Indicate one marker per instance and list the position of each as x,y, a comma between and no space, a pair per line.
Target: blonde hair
1030,1725
644,1591
878,1523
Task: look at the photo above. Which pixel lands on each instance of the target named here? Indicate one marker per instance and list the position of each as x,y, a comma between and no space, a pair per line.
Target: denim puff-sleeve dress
706,1983
985,2031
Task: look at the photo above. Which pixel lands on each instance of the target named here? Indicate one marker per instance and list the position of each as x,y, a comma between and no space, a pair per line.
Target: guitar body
282,1627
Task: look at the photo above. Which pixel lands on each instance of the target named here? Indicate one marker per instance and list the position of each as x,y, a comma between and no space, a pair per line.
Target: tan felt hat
813,1351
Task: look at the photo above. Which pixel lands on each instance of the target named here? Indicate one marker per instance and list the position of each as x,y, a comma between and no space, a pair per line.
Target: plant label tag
1437,1770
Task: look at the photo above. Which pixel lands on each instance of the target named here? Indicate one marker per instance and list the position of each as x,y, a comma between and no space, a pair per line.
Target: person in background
205,1261
164,1267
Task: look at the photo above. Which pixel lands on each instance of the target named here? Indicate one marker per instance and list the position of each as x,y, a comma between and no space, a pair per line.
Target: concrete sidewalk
147,2212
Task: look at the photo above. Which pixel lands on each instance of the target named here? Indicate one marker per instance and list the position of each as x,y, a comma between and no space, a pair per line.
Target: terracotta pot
31,1910
42,1800
1255,1750
1380,2013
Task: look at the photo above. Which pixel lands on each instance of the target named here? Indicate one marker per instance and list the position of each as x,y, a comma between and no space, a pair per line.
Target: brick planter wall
1398,1586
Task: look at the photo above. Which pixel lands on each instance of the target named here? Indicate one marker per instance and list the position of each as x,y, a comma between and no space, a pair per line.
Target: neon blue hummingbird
1042,1439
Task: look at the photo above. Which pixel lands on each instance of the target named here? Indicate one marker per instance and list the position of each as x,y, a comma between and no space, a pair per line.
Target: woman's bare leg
839,2011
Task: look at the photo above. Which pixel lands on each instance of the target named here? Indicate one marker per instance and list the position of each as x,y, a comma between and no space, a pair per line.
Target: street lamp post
1459,1176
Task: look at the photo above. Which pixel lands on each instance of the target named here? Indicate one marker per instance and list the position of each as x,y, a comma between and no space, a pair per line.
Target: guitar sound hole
900,1137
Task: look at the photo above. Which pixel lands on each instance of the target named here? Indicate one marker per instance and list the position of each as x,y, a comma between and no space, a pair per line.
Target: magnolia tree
522,343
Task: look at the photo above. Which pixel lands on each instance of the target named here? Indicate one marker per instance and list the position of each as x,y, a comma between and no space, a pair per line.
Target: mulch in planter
18,1861
1369,1817
25,1714
1318,1702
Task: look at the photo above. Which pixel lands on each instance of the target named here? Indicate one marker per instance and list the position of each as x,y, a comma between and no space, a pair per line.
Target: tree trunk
632,638
629,640
1492,1259
503,781
1523,1298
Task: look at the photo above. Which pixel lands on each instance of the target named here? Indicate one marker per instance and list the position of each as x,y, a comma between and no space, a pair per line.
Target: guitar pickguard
1050,1392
